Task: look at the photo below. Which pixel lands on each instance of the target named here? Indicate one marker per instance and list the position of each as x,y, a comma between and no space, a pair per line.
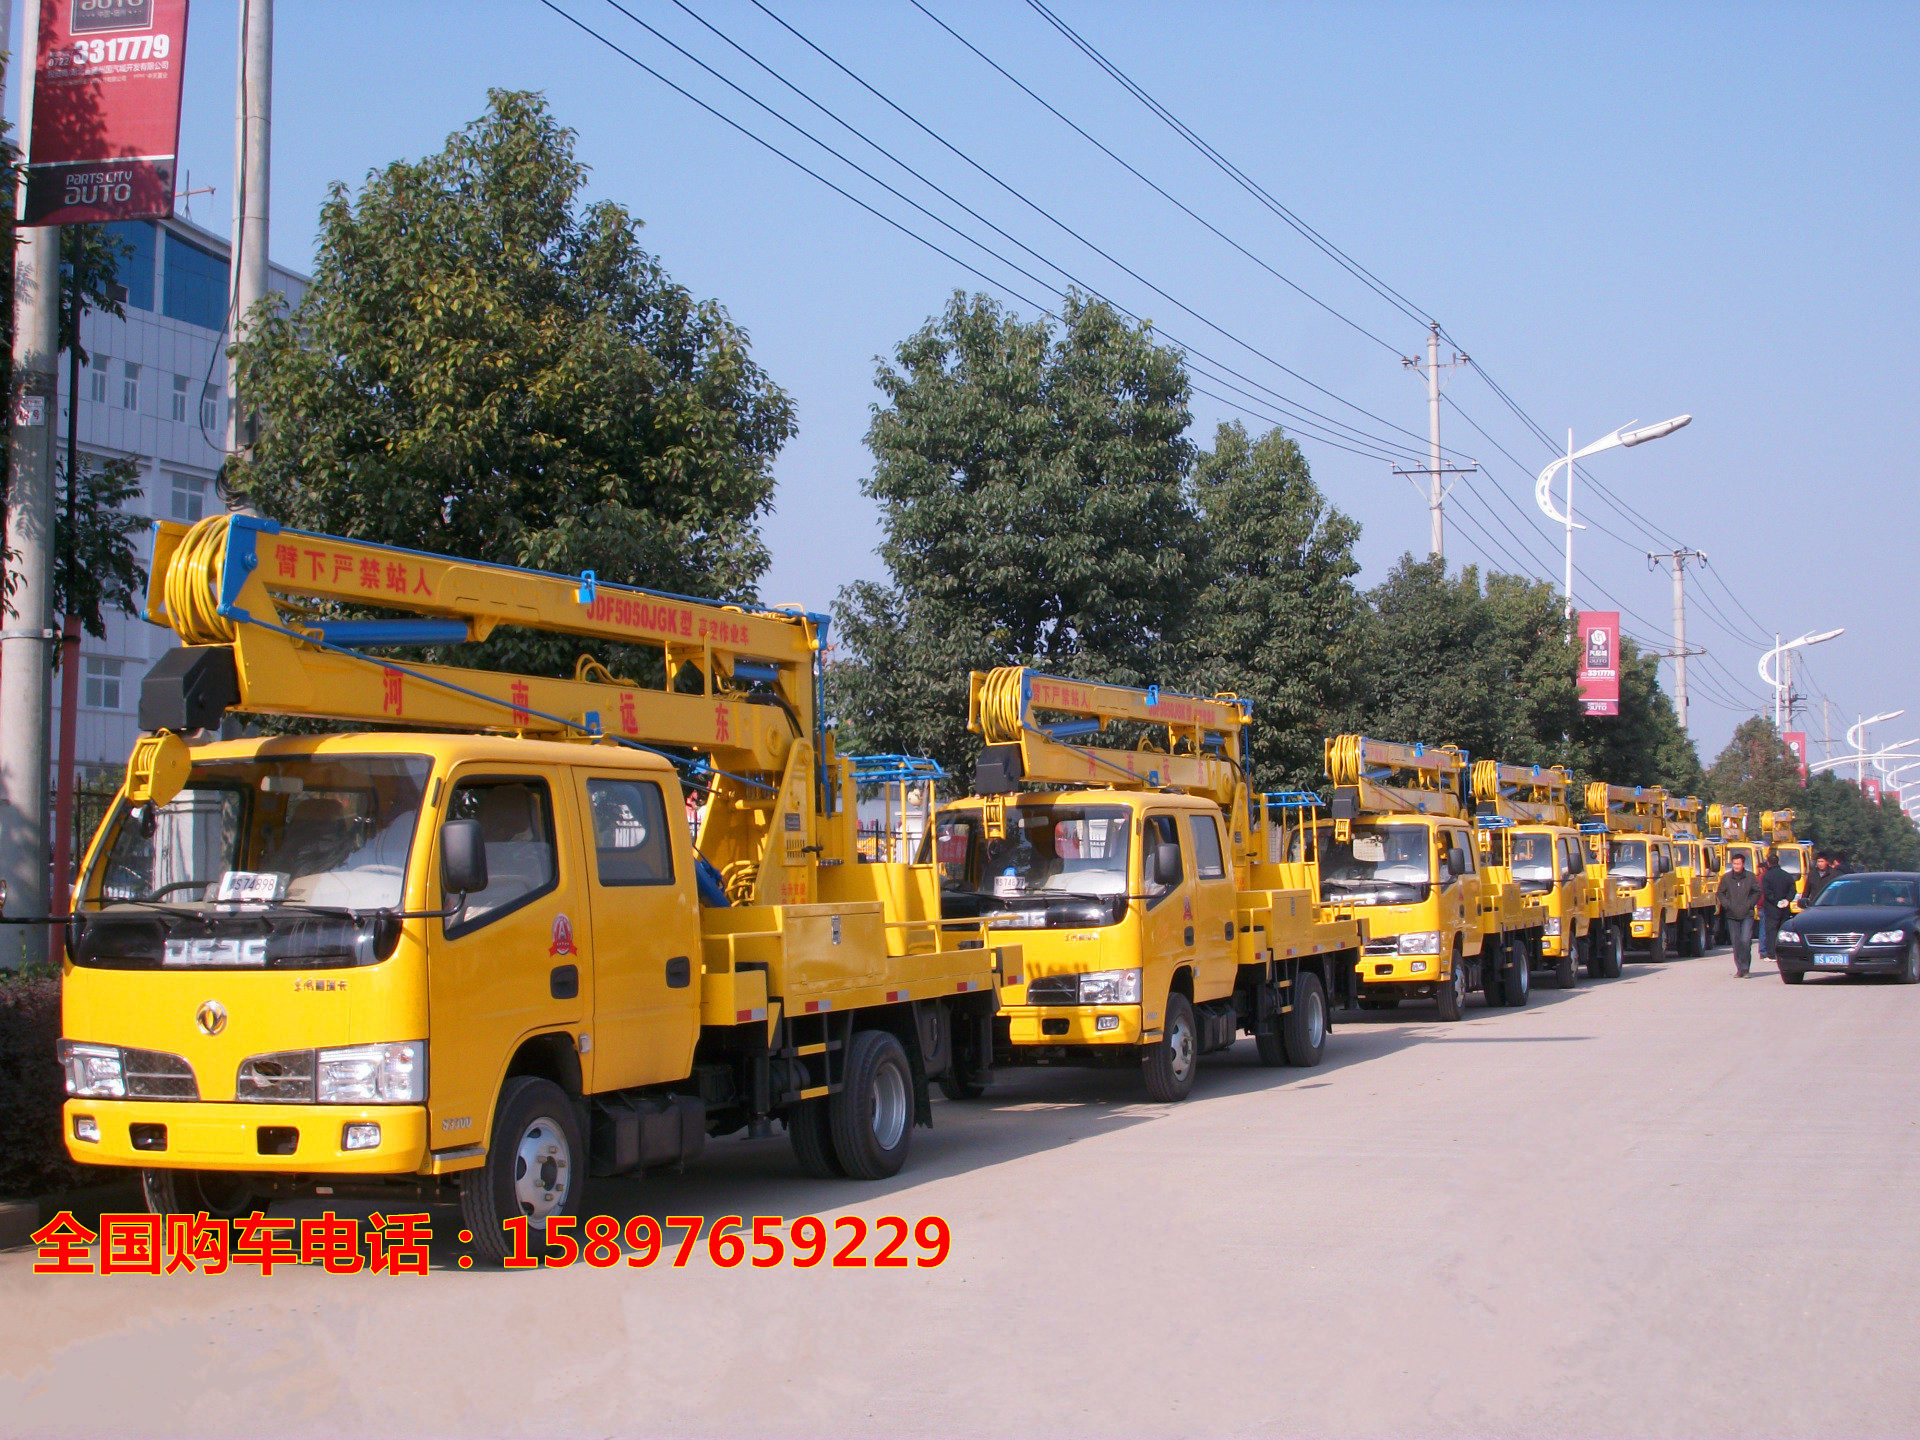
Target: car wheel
1793,977
1303,1029
1173,1059
1910,972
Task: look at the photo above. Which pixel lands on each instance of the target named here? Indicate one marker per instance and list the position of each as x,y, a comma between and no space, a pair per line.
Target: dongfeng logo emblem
212,1017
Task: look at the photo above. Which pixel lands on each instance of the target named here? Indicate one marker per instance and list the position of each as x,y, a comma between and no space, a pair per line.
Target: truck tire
962,1081
222,1194
1657,946
871,1115
536,1165
1616,951
812,1140
1517,984
1566,971
1174,1059
1303,1029
1451,994
1492,968
1592,953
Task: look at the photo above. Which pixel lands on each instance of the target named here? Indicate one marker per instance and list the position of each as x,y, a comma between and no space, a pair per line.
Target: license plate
1831,959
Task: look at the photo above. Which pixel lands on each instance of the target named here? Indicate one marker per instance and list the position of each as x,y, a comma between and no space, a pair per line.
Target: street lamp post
1856,737
1543,487
1773,668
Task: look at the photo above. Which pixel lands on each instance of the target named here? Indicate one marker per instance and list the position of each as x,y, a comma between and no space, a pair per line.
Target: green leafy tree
97,534
1756,770
1434,663
1031,483
489,364
1276,619
1643,744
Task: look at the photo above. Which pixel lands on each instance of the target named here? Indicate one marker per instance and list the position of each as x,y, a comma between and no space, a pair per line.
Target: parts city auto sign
1598,635
105,119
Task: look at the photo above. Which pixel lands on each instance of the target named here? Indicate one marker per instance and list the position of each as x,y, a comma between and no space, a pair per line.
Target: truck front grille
156,1075
1054,990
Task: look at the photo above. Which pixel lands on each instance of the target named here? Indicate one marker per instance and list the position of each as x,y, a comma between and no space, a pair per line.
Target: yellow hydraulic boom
1524,794
1384,777
1640,809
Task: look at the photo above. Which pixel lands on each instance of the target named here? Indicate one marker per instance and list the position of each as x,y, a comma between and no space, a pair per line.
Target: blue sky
1620,214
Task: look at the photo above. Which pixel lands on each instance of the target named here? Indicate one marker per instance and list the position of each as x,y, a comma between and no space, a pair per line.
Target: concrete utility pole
26,619
1436,466
1677,559
248,263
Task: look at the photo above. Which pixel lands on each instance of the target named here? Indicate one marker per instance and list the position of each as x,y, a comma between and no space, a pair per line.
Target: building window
180,383
195,285
129,385
189,497
97,378
210,409
103,683
134,269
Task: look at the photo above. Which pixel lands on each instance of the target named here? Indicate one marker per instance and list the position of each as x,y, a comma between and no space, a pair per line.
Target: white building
154,387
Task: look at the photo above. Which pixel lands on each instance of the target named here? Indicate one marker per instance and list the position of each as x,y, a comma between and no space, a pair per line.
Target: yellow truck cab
1527,837
1609,904
1726,831
1640,858
1696,875
1113,831
1402,854
474,951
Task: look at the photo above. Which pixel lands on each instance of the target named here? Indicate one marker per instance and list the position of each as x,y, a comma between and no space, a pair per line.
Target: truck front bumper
287,1139
1073,1024
1400,969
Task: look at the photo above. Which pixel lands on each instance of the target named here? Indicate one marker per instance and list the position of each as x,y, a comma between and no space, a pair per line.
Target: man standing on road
1738,896
1816,882
1777,892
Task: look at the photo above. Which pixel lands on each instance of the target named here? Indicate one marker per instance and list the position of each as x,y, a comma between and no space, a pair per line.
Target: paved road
1676,1204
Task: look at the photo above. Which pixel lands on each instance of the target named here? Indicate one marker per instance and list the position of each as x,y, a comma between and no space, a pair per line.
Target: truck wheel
1616,950
962,1081
812,1140
871,1116
1451,994
1492,968
1910,972
1566,971
1657,947
1174,1058
536,1165
222,1194
1518,983
1592,957
1303,1029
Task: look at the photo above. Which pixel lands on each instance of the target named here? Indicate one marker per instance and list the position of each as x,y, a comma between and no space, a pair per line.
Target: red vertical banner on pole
1598,635
1872,786
106,111
1797,743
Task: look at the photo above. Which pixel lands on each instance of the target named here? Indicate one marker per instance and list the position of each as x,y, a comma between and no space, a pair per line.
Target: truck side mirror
463,858
1166,864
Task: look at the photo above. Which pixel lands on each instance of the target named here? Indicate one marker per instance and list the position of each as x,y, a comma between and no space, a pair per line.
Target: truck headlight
1552,927
1643,914
1887,937
1110,987
1420,942
390,1074
94,1072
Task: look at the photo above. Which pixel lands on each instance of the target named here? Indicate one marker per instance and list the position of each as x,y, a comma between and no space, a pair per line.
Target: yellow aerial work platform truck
1640,859
1528,839
1114,831
472,947
1696,876
1403,853
1776,834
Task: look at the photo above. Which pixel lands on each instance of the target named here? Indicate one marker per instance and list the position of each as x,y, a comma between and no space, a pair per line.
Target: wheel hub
542,1169
889,1106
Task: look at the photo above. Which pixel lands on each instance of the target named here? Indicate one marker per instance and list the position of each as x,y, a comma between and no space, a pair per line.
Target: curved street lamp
1543,487
1774,668
1856,738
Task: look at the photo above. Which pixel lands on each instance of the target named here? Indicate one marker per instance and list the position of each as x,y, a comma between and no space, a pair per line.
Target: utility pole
248,253
1826,728
1436,467
1677,559
27,613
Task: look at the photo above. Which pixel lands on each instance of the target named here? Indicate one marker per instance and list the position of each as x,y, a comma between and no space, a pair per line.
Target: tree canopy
490,361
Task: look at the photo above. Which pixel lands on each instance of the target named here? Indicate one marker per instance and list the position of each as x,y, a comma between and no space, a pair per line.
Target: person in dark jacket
1778,890
1816,882
1738,896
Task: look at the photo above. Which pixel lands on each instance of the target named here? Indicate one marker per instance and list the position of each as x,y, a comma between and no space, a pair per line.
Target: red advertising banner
1872,786
1890,794
106,111
1598,635
1797,743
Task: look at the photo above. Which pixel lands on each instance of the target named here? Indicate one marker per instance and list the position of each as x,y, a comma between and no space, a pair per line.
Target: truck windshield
1050,857
1532,861
1630,859
331,831
1384,863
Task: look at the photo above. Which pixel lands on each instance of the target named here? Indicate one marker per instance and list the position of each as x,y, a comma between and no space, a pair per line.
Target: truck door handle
1229,929
679,973
1189,934
564,982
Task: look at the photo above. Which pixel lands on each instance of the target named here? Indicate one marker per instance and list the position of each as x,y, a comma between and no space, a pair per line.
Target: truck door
1168,934
491,975
645,938
1460,896
1214,909
1573,865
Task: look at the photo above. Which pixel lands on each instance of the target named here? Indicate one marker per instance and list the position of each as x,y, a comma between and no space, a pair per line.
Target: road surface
1673,1204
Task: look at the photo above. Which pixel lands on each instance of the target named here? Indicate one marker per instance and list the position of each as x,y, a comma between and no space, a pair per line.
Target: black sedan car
1860,925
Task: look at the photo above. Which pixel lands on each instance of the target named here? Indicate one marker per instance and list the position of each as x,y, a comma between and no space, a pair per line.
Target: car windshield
1869,890
1532,859
1630,859
1378,857
325,830
1046,850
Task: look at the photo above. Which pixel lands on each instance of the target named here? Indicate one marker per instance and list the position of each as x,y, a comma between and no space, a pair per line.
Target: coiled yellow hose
1000,718
192,589
1343,759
